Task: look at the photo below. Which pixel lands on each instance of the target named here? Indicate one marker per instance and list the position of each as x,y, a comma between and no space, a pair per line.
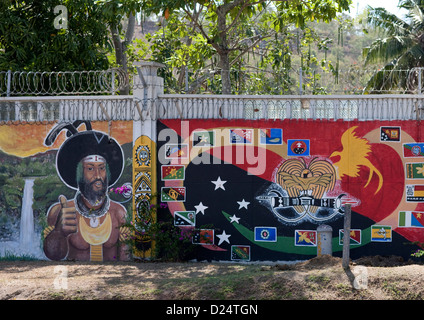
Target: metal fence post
186,79
346,236
113,82
300,81
9,82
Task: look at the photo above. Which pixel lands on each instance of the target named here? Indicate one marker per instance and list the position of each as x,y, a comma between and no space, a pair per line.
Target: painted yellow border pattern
144,178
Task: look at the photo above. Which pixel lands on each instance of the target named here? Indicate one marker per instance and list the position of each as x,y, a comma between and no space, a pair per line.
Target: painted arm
62,222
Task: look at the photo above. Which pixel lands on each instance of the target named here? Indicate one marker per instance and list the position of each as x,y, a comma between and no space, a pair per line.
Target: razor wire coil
60,83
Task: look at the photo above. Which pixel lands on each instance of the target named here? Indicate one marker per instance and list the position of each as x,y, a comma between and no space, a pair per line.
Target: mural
66,210
260,189
249,190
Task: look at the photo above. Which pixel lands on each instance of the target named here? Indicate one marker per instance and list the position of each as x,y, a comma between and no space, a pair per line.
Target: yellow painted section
354,155
144,178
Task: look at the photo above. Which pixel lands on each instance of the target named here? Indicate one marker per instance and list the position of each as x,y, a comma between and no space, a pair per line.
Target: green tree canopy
29,40
221,22
401,48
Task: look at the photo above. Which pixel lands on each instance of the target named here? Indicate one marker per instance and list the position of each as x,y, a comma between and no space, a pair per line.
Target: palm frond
395,76
386,49
416,58
388,22
401,48
387,80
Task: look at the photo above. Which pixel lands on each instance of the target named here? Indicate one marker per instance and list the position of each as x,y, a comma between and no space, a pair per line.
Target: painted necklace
92,214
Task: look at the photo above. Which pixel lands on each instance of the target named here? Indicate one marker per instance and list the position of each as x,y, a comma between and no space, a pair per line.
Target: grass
9,256
180,281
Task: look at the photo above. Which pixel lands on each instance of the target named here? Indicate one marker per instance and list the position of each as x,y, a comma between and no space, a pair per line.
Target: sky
389,5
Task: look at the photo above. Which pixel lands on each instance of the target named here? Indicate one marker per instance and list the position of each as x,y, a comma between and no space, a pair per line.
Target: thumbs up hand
67,219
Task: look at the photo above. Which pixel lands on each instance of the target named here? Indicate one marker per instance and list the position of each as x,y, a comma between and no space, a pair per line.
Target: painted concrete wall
55,192
262,188
249,190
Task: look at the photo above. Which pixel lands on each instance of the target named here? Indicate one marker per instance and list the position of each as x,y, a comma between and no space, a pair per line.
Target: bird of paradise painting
354,155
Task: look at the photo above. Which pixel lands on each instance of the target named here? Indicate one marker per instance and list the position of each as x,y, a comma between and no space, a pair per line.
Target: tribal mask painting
301,189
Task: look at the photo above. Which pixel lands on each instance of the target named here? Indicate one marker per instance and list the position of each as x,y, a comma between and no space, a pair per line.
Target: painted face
94,182
95,175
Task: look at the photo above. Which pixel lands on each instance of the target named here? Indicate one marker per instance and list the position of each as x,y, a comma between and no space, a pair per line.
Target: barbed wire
296,80
354,80
29,83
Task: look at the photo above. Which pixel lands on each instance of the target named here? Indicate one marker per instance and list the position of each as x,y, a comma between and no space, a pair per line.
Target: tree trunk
189,40
223,49
220,40
225,72
121,47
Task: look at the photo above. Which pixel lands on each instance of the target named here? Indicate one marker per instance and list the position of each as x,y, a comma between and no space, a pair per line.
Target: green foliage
400,46
113,11
270,68
419,253
12,176
11,193
300,12
30,42
226,31
47,185
171,243
47,191
8,256
178,46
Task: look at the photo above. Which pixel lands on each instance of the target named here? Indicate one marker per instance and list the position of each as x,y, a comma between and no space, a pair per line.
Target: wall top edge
292,97
207,96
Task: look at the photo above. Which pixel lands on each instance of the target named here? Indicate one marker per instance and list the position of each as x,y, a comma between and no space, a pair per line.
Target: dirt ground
321,278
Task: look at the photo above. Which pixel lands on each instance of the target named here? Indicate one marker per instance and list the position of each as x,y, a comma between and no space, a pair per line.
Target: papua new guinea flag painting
263,213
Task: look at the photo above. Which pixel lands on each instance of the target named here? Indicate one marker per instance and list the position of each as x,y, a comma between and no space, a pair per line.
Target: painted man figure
89,226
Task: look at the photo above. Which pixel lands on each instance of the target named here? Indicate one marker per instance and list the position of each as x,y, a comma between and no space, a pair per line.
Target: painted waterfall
28,244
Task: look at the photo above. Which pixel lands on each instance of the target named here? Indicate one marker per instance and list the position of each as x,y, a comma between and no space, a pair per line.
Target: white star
223,237
200,208
219,183
243,204
234,219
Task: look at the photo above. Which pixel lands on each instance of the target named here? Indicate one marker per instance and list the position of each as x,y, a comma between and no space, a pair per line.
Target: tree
120,16
220,22
400,49
29,40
